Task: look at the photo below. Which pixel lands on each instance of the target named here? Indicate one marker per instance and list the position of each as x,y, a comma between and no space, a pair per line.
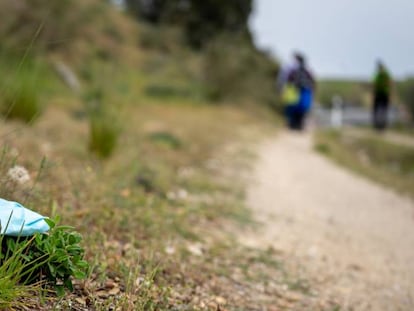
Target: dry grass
379,159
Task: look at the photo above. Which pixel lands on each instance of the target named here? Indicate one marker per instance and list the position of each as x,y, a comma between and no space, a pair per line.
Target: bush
54,258
200,20
235,69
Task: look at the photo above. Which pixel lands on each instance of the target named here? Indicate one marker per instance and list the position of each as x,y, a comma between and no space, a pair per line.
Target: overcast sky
341,38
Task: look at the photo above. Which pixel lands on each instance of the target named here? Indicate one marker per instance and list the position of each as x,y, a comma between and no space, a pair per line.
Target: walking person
302,79
382,92
288,92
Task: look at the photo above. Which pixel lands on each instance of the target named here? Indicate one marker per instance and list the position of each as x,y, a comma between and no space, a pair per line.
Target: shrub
235,69
200,20
20,99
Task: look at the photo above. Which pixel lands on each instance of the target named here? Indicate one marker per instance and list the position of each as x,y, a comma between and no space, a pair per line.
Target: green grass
20,98
13,271
403,129
384,162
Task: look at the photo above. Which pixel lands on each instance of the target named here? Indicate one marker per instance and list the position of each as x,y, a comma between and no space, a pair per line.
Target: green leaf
52,269
65,228
79,275
60,290
50,222
68,284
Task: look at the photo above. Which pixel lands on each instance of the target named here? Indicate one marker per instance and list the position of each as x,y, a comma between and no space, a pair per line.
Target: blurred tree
201,20
236,69
212,17
149,10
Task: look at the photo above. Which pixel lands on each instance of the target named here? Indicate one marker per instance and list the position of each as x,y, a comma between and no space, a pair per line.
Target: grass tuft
20,99
103,135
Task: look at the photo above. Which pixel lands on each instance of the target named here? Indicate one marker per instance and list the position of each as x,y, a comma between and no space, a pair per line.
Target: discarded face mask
16,220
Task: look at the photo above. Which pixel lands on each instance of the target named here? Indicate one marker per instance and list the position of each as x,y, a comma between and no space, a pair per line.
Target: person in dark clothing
382,92
304,82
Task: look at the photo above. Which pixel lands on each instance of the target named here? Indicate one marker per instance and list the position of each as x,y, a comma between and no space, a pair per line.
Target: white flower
18,174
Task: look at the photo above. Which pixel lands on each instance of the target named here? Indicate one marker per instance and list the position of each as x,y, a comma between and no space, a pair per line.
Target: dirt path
354,238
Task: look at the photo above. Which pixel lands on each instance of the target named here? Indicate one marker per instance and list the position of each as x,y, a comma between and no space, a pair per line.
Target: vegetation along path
355,238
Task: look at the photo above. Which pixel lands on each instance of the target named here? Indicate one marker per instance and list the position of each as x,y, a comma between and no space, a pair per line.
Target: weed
103,136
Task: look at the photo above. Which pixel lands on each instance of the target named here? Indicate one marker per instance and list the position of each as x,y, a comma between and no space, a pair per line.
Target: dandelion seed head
18,174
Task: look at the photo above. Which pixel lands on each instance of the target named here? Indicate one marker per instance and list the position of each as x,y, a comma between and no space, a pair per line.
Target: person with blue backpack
302,82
